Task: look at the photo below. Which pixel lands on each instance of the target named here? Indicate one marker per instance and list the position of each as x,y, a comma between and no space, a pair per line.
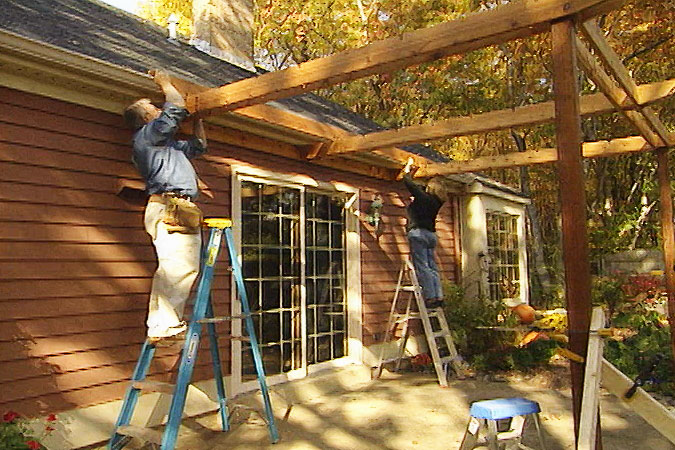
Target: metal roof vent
173,21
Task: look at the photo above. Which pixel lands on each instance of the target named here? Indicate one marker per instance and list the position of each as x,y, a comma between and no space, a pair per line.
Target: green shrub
485,349
632,355
608,292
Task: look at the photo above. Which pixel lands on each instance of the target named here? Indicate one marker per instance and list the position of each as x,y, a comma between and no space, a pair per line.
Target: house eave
44,69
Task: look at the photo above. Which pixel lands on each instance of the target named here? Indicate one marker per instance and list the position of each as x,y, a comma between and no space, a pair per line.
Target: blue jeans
422,246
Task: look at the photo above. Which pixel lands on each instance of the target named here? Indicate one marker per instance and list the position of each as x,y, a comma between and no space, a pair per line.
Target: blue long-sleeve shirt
163,161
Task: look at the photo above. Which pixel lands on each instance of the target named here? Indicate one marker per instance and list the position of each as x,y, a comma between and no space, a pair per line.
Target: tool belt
181,215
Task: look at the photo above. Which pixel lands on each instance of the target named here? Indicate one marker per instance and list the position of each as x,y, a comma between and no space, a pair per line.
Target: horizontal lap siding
75,262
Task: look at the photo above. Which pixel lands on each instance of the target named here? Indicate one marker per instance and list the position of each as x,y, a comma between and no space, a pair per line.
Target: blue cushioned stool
486,414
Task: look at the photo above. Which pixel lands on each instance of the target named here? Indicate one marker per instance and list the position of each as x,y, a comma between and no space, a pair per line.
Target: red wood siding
76,264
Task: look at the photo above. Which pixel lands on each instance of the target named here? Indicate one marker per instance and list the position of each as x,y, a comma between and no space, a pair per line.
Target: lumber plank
598,149
324,133
591,401
593,33
642,403
495,120
614,93
517,19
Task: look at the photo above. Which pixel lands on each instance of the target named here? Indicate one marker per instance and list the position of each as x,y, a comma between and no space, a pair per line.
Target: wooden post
573,199
668,236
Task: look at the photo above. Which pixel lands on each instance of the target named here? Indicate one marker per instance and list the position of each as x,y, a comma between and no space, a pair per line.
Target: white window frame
354,321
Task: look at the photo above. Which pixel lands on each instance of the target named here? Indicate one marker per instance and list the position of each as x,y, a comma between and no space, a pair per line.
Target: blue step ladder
202,314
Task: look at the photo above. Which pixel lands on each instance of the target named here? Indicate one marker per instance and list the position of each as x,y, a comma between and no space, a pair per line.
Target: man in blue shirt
172,183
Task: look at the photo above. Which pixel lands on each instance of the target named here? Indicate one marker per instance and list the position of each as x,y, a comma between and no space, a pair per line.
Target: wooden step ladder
434,324
202,314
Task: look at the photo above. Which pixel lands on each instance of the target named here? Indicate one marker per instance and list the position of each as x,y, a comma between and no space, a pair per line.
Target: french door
293,263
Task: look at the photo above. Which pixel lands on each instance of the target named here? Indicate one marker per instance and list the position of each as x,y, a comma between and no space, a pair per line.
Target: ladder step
403,317
241,338
146,434
154,386
409,288
219,319
441,333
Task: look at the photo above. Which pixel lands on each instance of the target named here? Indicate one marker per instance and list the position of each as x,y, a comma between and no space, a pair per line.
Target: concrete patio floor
344,409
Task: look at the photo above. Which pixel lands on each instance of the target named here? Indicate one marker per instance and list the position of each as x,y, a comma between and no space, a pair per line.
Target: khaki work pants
178,257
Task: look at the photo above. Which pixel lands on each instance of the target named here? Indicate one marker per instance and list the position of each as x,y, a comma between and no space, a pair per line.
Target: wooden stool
485,414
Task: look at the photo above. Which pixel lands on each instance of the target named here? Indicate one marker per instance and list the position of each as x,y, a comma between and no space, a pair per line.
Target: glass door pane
325,277
270,230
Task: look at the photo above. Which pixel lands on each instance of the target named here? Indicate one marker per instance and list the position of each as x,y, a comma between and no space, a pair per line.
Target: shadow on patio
400,411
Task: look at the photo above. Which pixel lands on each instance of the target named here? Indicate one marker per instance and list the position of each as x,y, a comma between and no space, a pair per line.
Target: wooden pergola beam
615,66
322,133
495,120
600,149
614,93
517,19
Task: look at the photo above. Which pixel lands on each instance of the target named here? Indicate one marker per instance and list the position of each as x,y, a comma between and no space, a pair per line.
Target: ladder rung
408,288
441,333
154,386
145,434
241,338
411,315
219,319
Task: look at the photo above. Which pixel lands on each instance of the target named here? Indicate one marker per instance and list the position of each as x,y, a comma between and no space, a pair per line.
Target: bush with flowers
17,433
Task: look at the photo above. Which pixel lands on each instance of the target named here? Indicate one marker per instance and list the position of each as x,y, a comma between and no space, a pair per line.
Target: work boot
433,303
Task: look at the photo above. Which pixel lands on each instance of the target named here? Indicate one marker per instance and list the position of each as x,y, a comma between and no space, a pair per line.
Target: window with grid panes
270,231
271,249
325,277
503,249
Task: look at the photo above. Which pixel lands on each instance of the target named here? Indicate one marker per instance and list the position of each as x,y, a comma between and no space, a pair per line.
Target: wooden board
541,156
642,403
494,120
517,19
614,93
616,68
591,395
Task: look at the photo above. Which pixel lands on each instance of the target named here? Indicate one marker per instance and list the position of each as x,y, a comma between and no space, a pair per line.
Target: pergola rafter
534,114
520,18
600,149
507,22
593,33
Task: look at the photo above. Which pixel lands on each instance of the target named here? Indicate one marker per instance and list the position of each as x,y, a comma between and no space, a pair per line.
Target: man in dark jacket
422,212
172,183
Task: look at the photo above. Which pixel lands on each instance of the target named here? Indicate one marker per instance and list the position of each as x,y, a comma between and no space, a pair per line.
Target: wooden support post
666,208
573,200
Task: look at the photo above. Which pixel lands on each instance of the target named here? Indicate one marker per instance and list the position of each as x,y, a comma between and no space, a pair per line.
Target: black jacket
424,208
